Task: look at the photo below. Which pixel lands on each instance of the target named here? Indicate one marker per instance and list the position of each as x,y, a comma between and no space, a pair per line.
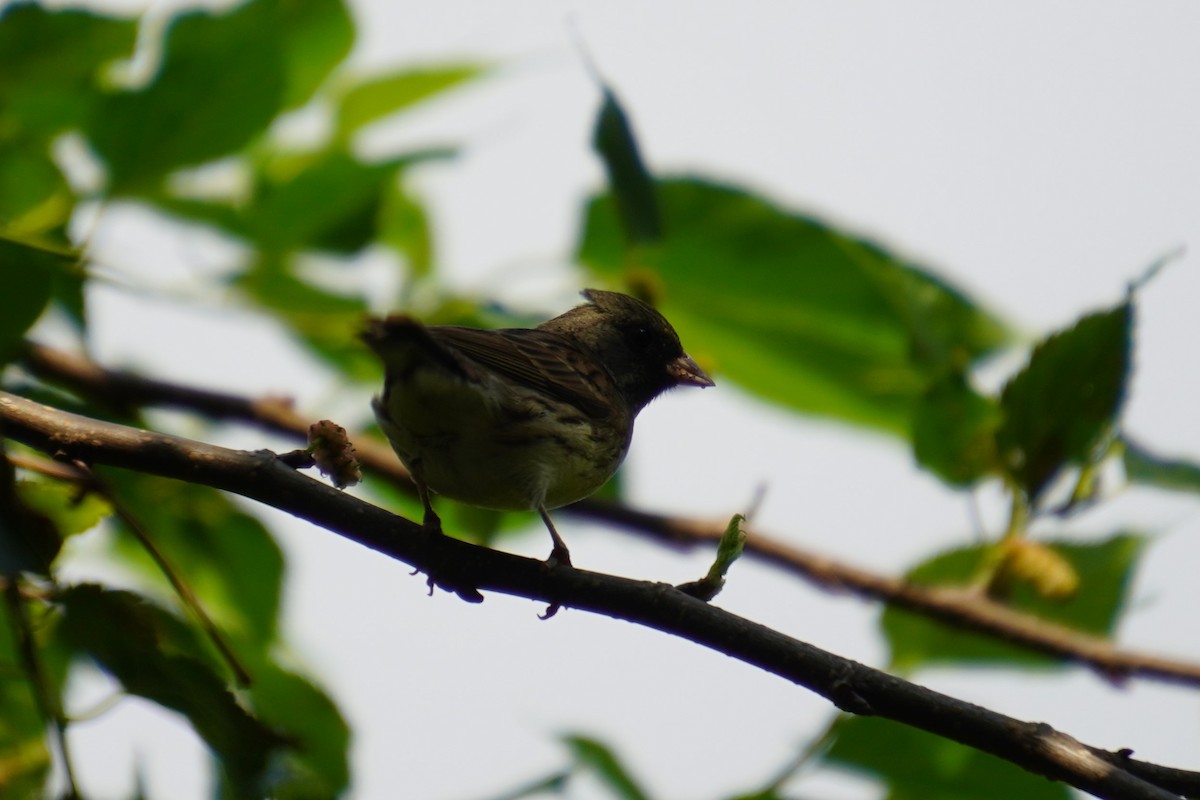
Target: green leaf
604,763
227,558
149,663
1142,466
373,98
404,226
1064,404
27,274
326,201
317,35
221,83
318,765
49,63
630,183
224,216
24,755
954,430
63,504
793,309
915,765
1105,569
34,196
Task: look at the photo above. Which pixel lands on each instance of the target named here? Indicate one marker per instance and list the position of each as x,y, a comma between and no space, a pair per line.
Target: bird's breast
491,445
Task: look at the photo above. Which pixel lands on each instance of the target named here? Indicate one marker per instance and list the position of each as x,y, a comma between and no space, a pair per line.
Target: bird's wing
540,360
406,344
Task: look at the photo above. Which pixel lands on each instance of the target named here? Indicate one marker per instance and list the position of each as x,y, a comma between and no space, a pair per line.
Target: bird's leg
560,554
432,525
431,521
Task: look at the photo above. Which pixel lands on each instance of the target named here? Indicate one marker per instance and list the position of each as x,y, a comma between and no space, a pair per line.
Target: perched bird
524,418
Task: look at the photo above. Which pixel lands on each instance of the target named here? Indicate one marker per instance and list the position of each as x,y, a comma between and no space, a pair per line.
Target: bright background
1039,156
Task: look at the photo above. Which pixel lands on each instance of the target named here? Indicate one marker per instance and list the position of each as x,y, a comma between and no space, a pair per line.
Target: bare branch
464,567
958,607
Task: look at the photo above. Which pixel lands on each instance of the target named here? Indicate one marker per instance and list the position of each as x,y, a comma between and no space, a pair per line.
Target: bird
521,419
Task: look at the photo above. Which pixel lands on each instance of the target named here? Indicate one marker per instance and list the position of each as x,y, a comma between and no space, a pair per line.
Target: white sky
1039,156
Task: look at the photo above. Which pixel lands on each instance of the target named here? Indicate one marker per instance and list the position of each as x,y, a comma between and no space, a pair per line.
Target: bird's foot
559,556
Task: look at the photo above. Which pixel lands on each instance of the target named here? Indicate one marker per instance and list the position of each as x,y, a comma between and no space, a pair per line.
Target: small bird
524,418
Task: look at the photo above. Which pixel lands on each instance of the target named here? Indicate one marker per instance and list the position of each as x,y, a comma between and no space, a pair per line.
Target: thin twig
190,601
79,473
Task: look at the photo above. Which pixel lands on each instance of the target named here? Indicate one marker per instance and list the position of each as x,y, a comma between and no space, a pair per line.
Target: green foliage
28,275
1063,405
794,310
315,765
226,556
632,186
915,765
153,661
603,763
219,85
24,751
954,431
317,35
29,539
70,509
1105,569
1142,466
362,102
50,67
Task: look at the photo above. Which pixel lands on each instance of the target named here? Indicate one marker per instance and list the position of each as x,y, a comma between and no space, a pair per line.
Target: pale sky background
1039,156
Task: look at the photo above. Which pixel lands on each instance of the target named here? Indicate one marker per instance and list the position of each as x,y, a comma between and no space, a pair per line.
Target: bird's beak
686,372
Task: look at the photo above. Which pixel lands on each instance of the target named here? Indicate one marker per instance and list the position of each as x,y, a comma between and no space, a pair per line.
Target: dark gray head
636,343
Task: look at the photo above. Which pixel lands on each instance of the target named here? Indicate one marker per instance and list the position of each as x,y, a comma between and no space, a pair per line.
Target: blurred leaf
553,784
34,196
374,98
143,658
62,503
325,201
225,556
317,35
794,310
222,215
1105,569
954,431
318,765
1062,405
1142,466
603,762
325,322
27,275
49,61
404,226
630,183
221,83
915,765
24,755
478,525
29,542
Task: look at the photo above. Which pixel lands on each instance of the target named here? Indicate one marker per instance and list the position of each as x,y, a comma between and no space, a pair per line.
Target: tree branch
851,686
959,607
